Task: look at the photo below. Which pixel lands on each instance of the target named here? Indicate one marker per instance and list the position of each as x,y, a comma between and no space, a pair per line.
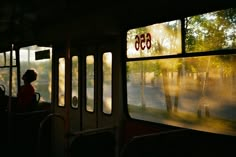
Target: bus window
61,88
2,59
107,83
43,66
211,31
75,80
5,72
173,94
154,40
8,53
90,83
195,91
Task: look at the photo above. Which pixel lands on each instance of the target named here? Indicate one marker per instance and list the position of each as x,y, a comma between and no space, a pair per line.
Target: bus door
87,81
60,86
83,114
91,92
92,111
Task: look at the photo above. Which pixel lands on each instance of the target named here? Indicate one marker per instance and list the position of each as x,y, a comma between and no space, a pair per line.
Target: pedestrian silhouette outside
26,93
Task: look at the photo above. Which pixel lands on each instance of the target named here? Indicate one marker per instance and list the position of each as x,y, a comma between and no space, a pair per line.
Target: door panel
93,108
58,94
87,73
75,109
89,109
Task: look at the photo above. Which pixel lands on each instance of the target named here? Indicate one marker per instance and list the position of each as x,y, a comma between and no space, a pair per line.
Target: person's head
29,76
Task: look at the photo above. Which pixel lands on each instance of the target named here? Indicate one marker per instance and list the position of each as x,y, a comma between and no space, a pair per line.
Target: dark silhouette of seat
35,101
37,97
98,144
180,143
2,90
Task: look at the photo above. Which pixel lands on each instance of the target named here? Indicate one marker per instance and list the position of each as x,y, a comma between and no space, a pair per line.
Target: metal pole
10,116
67,97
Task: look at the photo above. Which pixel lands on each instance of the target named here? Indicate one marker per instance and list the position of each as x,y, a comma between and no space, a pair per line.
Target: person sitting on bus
26,93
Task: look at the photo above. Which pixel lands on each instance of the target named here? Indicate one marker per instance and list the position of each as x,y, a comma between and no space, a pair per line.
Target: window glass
107,82
4,80
90,83
5,72
211,31
42,66
154,40
197,92
8,55
61,89
2,60
75,80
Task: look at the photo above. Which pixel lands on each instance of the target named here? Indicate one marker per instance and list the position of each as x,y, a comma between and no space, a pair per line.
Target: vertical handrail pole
10,118
67,95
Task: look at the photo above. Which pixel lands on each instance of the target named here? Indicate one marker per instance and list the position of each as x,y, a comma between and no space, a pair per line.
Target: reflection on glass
90,83
211,31
197,93
107,82
61,89
154,40
75,80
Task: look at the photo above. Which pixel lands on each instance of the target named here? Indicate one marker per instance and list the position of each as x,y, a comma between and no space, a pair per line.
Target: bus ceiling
24,22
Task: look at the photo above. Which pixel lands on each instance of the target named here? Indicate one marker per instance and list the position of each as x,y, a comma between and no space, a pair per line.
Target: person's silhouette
26,93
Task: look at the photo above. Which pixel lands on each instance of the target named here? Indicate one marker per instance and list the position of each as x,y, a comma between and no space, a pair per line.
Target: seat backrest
2,90
180,143
103,144
36,98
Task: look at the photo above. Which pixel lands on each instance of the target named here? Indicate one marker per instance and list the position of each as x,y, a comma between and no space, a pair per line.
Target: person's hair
30,75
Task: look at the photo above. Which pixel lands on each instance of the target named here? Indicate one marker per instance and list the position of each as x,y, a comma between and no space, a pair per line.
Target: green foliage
211,31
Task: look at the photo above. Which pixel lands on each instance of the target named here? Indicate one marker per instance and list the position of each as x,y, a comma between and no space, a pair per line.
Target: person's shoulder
28,87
